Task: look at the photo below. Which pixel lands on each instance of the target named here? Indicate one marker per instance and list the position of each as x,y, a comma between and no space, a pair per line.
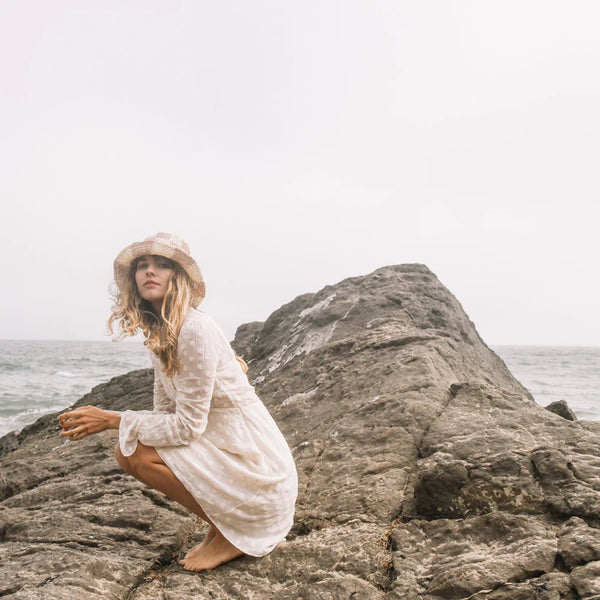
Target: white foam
65,374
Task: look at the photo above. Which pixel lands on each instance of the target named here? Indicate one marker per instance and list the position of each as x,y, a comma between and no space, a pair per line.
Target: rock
561,408
426,471
586,580
72,523
554,586
456,558
578,543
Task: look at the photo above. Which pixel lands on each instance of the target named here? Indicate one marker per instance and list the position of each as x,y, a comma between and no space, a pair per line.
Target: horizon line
134,339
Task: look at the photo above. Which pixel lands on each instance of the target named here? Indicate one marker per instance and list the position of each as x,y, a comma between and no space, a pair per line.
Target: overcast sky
294,144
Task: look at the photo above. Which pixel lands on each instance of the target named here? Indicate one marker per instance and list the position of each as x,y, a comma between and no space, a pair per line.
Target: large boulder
426,471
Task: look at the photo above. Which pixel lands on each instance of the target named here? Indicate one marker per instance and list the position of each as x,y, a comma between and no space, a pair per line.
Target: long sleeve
197,352
160,400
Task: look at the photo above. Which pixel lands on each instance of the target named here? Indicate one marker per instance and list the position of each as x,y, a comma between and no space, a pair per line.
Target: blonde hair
132,313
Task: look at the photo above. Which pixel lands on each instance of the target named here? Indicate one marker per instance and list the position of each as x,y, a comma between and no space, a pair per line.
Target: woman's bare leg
153,472
146,465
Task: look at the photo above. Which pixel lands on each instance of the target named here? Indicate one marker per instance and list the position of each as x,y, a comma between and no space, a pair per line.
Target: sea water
39,377
570,373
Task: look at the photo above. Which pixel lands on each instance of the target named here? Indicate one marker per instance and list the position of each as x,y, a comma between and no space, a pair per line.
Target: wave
7,367
37,377
65,374
16,422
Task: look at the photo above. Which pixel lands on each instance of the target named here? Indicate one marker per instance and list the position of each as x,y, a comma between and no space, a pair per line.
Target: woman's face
152,276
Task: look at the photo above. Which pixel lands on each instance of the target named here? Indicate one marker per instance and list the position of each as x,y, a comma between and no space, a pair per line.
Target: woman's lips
149,283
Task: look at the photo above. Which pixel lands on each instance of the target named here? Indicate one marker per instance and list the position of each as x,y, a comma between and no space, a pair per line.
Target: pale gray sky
293,144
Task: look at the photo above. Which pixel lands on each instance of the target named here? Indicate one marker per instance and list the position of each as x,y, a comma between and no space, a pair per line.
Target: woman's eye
142,266
164,265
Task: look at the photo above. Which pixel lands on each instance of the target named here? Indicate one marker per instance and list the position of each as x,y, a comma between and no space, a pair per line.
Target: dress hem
223,533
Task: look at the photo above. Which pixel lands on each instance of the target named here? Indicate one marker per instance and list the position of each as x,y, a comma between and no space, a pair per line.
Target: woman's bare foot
216,552
198,547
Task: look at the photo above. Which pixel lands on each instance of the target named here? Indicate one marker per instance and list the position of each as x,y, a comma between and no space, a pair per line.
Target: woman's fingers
76,432
66,418
83,421
72,413
70,432
71,423
72,418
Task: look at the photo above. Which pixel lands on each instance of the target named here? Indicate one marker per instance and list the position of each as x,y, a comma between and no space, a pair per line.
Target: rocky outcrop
561,408
426,470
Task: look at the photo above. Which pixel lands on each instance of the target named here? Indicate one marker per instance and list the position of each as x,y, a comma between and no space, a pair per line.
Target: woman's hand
85,420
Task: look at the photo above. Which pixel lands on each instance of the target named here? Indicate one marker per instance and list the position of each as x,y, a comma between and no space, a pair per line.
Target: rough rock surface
427,472
561,408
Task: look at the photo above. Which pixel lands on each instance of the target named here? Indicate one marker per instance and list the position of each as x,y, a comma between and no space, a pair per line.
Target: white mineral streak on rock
276,357
300,396
348,311
318,306
315,338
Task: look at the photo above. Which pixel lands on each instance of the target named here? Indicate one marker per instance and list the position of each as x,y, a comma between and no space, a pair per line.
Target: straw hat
162,244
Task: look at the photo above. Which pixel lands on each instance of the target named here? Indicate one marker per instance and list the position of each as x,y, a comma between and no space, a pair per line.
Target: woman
209,444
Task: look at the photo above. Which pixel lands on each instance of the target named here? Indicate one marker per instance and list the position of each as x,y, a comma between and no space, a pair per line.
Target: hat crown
171,240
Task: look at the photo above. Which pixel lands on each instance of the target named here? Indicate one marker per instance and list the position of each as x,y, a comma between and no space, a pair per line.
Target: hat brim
122,264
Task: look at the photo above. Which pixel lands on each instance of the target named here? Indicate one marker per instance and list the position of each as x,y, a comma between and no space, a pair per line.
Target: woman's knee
122,461
141,459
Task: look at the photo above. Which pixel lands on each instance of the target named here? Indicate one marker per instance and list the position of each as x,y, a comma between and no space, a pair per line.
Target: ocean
39,377
570,373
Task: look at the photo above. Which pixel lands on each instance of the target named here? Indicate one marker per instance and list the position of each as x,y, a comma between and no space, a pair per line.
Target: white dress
213,431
